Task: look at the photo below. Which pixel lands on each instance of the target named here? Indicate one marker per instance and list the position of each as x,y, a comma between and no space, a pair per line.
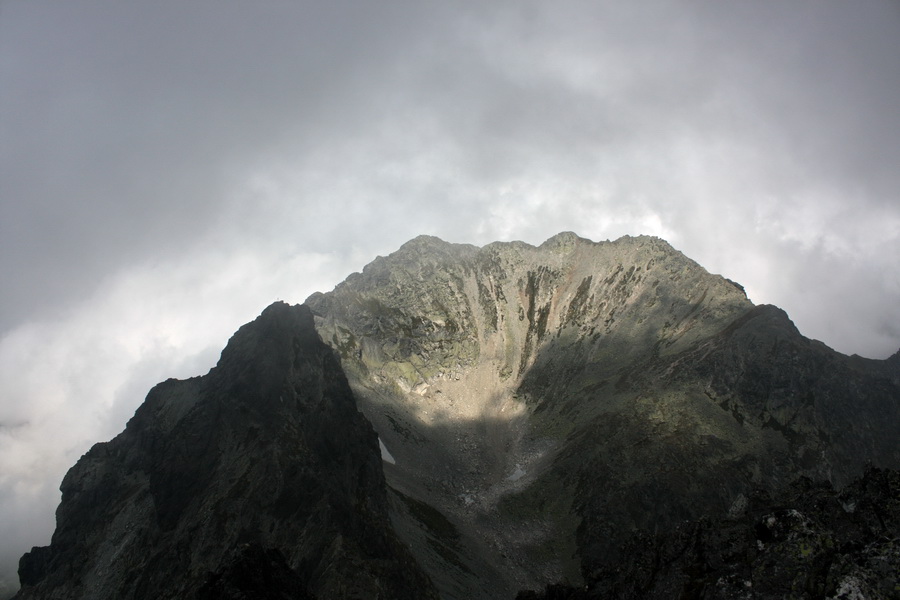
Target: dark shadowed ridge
259,475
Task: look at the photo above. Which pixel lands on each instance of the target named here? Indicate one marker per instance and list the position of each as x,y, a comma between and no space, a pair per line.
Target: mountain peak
565,239
430,243
533,407
490,372
264,466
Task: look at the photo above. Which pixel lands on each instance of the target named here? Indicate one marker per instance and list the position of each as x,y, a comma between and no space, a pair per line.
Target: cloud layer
168,169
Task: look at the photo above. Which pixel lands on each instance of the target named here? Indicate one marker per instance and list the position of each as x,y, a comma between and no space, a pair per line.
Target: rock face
808,542
258,480
547,415
541,403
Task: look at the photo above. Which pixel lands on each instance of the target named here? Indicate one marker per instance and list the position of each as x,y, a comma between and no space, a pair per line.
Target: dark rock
261,472
810,542
253,573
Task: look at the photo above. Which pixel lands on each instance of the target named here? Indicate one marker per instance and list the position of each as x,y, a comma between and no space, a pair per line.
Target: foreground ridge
808,542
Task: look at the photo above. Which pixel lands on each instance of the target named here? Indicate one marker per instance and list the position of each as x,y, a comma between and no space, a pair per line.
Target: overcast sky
170,168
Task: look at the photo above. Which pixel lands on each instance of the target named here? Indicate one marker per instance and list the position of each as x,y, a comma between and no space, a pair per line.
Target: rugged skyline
168,170
540,405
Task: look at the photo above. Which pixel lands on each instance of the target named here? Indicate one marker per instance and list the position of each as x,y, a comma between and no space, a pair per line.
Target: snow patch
385,454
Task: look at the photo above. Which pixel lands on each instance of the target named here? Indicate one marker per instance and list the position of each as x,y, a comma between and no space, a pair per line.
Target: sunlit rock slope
540,403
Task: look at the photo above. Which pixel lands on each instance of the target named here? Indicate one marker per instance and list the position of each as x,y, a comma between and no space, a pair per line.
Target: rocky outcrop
808,542
259,480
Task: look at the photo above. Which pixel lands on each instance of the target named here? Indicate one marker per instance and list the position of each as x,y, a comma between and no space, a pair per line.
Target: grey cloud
821,76
122,124
188,146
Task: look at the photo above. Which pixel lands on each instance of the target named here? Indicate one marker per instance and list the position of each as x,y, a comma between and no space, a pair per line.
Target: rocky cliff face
260,479
536,406
543,402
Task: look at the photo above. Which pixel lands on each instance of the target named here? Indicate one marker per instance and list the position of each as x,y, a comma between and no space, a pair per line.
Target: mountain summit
534,407
260,476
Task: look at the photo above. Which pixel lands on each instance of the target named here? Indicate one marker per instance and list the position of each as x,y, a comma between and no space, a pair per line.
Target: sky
170,168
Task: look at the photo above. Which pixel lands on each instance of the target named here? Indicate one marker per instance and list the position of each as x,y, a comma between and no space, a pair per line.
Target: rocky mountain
537,408
541,403
259,480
